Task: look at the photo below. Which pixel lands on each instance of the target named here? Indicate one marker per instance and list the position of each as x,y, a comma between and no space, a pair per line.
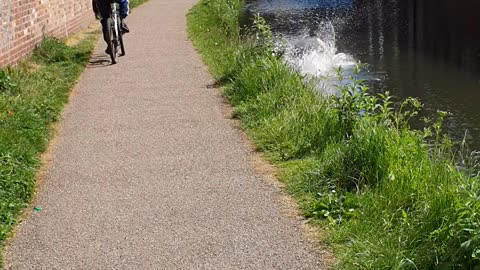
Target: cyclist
102,7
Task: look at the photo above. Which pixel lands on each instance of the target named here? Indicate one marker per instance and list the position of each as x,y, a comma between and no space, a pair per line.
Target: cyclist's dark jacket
103,7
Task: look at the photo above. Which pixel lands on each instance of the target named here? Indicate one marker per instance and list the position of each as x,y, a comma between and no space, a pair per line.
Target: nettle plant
264,40
371,127
355,103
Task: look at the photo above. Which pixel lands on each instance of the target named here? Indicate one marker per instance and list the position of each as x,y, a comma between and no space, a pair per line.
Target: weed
7,86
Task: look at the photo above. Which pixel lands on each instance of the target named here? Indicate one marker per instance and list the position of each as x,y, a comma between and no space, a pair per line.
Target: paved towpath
148,173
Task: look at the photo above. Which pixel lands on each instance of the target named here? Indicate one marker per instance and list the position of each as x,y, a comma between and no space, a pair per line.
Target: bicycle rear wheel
112,44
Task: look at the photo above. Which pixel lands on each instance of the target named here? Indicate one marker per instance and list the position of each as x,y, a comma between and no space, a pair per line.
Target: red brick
55,18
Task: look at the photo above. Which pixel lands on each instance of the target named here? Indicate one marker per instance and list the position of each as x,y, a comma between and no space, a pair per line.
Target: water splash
315,55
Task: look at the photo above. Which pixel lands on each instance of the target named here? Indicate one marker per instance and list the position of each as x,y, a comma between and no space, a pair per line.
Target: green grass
391,197
136,3
32,95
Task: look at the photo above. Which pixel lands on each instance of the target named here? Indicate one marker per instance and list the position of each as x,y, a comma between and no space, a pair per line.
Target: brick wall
23,24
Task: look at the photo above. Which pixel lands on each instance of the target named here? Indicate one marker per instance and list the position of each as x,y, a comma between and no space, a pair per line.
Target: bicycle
115,35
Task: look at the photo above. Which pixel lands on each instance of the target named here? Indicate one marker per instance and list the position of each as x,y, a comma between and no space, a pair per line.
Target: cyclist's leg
104,8
124,10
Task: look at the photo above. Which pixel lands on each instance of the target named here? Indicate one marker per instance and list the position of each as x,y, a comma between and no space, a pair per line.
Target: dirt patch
74,39
30,66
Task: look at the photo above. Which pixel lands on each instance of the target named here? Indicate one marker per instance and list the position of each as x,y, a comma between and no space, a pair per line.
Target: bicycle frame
115,17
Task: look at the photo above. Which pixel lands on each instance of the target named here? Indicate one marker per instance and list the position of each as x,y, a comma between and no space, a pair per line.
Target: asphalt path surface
148,172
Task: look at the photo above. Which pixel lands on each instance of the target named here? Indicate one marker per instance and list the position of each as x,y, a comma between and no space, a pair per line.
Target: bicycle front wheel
112,44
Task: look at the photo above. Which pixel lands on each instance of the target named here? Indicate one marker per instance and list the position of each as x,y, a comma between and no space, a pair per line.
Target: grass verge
32,95
390,197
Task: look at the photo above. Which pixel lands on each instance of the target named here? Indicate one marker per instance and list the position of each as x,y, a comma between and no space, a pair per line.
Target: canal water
429,49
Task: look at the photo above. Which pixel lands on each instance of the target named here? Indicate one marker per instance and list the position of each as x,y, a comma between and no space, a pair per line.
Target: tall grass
391,197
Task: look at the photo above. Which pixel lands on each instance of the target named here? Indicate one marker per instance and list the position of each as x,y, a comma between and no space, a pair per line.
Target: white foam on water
316,56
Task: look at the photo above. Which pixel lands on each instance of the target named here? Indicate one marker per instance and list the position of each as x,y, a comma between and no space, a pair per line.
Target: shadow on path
99,60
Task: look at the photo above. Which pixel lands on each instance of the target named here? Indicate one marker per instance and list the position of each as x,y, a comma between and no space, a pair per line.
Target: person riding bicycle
102,7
